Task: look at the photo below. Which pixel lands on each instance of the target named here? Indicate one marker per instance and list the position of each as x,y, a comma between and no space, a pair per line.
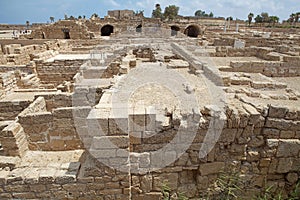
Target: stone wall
10,109
58,71
50,131
262,144
268,68
8,82
13,140
16,54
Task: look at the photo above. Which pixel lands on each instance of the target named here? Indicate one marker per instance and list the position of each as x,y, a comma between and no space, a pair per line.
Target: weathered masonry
127,116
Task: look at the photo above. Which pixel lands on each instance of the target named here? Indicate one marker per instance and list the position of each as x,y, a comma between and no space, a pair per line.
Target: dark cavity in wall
107,30
138,29
174,30
192,31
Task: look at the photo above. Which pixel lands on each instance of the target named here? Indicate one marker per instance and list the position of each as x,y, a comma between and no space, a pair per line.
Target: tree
250,17
265,17
51,19
229,18
200,13
157,12
66,17
258,19
79,17
72,17
95,15
27,24
273,20
292,18
139,13
171,12
83,16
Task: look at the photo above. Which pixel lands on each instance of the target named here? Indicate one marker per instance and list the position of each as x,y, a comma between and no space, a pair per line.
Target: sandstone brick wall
13,140
8,82
10,109
261,143
256,142
268,68
58,71
22,68
62,182
16,54
46,130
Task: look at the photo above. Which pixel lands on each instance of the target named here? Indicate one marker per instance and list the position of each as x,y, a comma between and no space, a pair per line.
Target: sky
39,11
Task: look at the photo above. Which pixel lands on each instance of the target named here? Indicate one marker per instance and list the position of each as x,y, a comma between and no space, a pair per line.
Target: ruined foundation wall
58,71
261,144
50,131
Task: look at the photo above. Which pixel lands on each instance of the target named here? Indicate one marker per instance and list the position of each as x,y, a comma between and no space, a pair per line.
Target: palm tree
250,17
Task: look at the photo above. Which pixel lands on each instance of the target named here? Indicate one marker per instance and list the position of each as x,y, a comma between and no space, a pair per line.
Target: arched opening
138,29
174,30
192,31
43,35
107,30
66,33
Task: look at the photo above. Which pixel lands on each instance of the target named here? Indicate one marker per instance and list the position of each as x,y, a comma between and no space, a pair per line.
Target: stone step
9,161
93,72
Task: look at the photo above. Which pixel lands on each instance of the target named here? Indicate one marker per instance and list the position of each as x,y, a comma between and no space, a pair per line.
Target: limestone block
284,165
137,119
202,182
146,183
110,142
24,195
47,175
253,156
118,121
265,162
228,135
60,113
170,179
257,141
287,134
282,124
254,114
288,148
271,133
239,44
211,168
292,177
277,111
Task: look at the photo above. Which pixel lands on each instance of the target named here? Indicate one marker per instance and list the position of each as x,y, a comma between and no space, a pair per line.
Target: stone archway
174,30
138,29
107,30
66,32
192,31
43,35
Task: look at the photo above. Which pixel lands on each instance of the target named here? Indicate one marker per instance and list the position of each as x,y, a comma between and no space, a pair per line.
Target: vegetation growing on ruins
200,13
157,12
170,13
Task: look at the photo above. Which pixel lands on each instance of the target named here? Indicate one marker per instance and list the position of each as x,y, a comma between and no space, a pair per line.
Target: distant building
121,14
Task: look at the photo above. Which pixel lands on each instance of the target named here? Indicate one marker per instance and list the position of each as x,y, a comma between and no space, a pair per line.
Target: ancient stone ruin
150,112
